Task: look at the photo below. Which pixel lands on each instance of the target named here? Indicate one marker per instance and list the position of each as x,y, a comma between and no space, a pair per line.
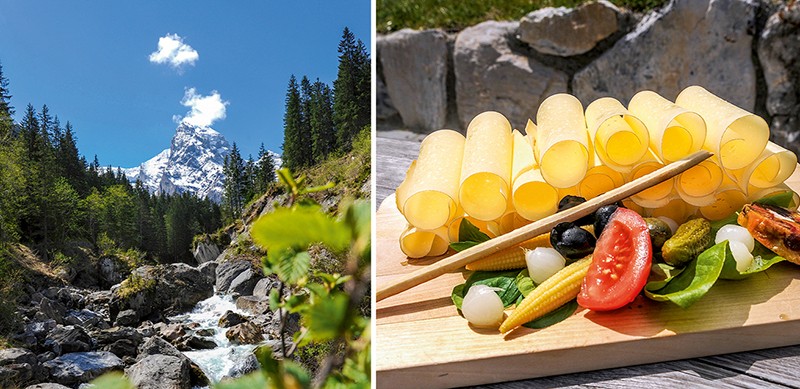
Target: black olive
601,217
570,201
572,241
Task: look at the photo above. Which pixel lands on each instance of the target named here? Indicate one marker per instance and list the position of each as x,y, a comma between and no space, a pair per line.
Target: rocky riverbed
165,326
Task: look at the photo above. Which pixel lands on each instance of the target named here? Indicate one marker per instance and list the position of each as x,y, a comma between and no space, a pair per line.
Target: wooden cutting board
421,340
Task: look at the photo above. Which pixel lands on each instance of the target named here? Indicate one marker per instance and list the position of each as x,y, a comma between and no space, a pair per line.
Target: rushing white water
218,362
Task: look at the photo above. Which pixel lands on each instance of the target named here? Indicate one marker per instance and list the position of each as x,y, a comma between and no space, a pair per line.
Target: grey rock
122,341
47,385
112,270
253,304
173,331
19,366
414,67
245,333
68,339
569,31
228,271
160,372
205,332
156,346
128,317
230,319
206,251
686,43
12,356
384,109
244,283
75,368
85,318
50,310
779,55
492,77
162,290
36,332
209,269
244,366
292,322
195,342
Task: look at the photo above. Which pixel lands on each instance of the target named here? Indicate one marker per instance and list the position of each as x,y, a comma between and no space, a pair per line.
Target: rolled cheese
675,132
771,168
418,243
697,185
427,197
486,167
562,141
657,195
533,197
599,179
761,193
735,136
455,227
619,138
676,209
727,199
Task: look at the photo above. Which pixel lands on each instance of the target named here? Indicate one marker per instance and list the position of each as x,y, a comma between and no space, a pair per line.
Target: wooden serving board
421,340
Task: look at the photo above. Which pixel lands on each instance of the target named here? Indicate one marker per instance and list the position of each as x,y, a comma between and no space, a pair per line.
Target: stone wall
746,51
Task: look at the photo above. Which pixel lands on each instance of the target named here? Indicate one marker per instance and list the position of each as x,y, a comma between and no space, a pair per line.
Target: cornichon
691,239
659,232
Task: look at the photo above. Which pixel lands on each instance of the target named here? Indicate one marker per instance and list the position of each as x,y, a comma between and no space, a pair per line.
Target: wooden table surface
776,367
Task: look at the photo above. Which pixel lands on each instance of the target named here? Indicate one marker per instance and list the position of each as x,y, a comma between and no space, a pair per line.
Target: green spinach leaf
695,280
661,275
763,258
504,281
524,282
468,236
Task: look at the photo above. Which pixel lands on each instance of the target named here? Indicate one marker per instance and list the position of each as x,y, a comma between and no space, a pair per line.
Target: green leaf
524,282
457,295
661,275
269,364
505,281
326,318
298,228
320,188
300,375
560,314
296,302
467,232
461,246
695,280
274,300
780,199
286,177
112,380
763,258
292,267
358,217
253,380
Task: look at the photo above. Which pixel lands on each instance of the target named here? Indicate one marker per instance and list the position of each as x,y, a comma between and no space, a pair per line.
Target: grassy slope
393,15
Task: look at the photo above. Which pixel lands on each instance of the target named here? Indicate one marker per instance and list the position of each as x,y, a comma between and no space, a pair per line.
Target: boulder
160,372
50,310
76,368
253,304
156,345
161,290
36,332
244,283
492,77
173,331
230,319
685,43
195,342
264,286
228,271
206,251
18,366
68,339
128,317
569,31
209,269
292,322
85,318
244,366
245,333
48,385
416,83
384,109
779,54
122,341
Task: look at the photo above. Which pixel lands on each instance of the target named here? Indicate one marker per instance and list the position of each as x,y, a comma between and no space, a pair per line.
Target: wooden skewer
460,259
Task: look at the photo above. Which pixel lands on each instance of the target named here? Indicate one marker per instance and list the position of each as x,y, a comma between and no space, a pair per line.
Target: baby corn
549,295
513,257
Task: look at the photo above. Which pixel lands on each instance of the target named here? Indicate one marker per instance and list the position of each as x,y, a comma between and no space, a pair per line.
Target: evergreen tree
323,131
265,173
30,135
351,90
73,166
6,110
292,126
250,179
306,112
234,187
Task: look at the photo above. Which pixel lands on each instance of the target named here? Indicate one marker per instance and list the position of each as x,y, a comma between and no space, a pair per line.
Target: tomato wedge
620,265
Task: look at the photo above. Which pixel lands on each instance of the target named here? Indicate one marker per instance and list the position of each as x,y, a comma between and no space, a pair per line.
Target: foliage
394,15
135,284
329,303
10,277
351,90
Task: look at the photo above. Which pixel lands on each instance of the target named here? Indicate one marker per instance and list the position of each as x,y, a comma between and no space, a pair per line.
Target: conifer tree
292,126
6,110
234,187
265,173
351,90
323,131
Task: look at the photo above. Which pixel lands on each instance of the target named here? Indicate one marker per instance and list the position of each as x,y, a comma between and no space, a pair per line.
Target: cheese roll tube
728,198
675,132
418,243
698,184
735,136
532,197
562,141
428,196
619,138
486,167
771,168
599,179
657,195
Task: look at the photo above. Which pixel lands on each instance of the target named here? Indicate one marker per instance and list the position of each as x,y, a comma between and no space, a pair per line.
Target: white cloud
205,110
173,51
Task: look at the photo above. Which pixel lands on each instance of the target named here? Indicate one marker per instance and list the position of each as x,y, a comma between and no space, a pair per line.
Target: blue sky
90,62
